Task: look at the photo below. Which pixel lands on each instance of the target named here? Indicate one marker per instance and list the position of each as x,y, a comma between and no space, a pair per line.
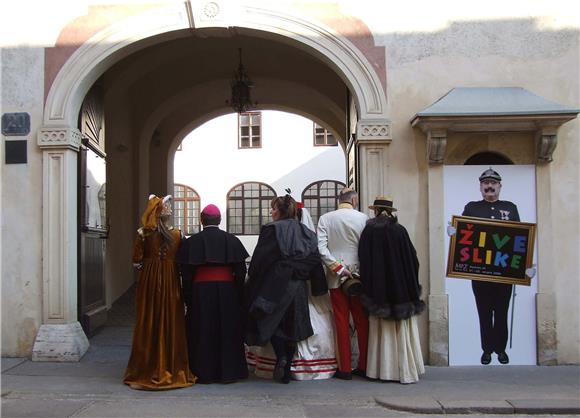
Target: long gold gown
159,358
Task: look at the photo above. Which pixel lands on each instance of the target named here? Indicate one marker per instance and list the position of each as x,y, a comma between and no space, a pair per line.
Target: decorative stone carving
59,137
436,144
546,144
60,342
211,10
374,131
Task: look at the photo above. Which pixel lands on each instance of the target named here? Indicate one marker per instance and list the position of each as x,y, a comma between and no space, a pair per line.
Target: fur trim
393,311
151,196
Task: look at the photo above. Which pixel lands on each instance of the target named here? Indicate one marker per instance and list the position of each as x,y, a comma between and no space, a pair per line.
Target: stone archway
61,337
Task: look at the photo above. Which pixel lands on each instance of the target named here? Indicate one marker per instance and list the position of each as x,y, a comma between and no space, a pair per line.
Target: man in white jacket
338,236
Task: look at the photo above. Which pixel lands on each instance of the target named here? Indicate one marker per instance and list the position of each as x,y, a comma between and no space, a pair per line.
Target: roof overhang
495,109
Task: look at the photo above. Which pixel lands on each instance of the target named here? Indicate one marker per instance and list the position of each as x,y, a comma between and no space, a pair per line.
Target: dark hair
385,212
286,206
210,219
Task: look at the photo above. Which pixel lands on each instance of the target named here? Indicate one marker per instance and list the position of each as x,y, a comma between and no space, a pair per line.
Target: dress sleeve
138,249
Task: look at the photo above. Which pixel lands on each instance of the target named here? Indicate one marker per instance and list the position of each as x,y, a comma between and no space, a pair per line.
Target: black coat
276,298
211,246
389,270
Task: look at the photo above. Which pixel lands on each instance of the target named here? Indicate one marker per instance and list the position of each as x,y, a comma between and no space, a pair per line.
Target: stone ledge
546,406
477,407
421,405
426,405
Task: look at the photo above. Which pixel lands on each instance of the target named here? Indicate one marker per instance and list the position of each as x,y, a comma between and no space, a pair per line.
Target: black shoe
486,358
343,375
359,373
280,368
503,357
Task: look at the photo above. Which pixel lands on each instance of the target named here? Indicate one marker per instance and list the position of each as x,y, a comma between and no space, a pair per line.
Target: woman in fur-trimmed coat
389,270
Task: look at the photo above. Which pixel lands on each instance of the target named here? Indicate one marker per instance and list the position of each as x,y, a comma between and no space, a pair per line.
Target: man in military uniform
492,299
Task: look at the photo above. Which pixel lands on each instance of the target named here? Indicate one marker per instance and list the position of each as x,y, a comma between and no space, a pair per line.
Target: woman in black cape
276,293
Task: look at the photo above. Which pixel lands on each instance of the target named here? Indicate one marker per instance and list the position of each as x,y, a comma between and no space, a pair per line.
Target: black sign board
15,124
491,250
15,152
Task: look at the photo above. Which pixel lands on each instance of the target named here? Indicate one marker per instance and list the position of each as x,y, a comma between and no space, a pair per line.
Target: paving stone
10,362
45,408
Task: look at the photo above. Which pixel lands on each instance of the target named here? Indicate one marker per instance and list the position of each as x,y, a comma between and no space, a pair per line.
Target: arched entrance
308,68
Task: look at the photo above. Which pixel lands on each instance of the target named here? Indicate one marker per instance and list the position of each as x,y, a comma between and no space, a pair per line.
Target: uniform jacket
500,209
338,236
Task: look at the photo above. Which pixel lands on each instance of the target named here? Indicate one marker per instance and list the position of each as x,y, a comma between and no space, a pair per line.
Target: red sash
213,274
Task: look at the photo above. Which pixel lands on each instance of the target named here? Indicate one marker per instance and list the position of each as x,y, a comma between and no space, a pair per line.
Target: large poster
461,186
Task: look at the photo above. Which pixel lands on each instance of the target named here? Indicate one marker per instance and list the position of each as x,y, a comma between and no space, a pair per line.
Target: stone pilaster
438,299
372,139
546,302
60,337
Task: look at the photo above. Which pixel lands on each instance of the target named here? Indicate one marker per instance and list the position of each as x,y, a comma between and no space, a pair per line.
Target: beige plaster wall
423,65
21,90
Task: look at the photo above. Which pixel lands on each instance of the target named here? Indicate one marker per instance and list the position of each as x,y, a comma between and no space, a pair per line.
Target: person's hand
451,230
138,266
531,271
345,273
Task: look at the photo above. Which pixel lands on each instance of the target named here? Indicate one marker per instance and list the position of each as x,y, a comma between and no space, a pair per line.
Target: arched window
185,209
487,157
249,208
321,197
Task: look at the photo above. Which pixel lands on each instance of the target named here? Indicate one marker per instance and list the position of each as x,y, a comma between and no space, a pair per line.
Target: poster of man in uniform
491,319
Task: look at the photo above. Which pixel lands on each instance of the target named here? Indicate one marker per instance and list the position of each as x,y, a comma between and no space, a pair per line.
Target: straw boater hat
383,202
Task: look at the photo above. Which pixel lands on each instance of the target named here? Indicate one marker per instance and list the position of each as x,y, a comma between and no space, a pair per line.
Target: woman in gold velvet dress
159,354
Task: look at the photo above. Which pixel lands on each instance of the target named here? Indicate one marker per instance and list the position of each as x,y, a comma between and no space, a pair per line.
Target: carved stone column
60,337
373,137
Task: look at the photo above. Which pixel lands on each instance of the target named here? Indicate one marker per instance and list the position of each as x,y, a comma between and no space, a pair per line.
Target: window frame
196,227
262,219
326,134
338,186
250,126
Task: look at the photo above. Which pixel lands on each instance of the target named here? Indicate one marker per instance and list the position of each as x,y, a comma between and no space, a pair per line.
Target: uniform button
493,217
492,207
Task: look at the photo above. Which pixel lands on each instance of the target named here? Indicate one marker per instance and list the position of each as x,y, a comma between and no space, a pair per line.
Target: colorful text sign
491,250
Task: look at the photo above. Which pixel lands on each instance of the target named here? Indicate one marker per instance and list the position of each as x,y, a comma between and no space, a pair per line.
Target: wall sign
15,124
491,250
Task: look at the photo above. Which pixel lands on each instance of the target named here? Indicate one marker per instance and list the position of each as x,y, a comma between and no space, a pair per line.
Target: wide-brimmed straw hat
383,202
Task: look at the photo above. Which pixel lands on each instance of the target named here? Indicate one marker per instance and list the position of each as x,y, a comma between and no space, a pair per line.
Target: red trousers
342,305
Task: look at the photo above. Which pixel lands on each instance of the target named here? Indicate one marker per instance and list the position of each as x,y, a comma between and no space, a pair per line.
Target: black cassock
214,316
389,270
276,294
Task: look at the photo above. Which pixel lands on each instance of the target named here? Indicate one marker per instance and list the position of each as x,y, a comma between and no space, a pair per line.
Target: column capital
59,137
374,131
